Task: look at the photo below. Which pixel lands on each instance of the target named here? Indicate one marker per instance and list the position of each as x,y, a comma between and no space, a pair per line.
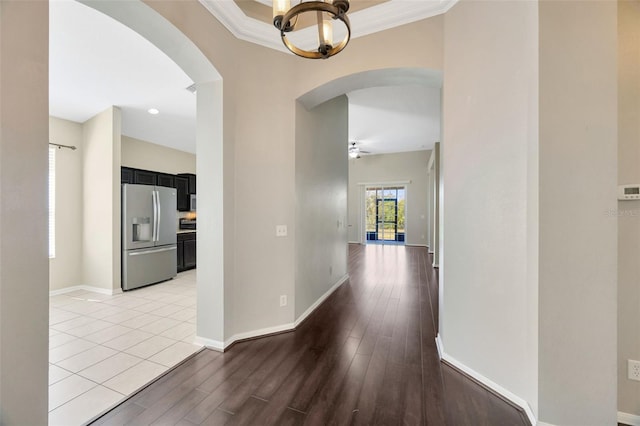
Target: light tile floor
104,348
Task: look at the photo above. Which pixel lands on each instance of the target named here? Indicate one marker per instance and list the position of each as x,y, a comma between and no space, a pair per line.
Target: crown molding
242,26
390,14
395,13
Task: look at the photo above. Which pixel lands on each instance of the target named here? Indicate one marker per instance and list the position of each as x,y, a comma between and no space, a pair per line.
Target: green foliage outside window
386,210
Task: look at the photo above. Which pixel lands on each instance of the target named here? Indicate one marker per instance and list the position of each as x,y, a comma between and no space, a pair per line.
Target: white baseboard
628,419
439,346
221,346
487,382
99,290
209,343
322,298
258,333
353,242
416,245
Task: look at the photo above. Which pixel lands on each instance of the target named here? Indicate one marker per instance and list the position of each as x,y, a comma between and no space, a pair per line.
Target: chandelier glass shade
326,12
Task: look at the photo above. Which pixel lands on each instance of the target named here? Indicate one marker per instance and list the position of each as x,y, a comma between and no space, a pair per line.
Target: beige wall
321,200
24,287
490,103
101,201
416,45
490,96
259,145
141,154
65,270
628,211
578,240
406,166
259,154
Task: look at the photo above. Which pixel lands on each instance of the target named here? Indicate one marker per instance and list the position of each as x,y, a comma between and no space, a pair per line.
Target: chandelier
285,19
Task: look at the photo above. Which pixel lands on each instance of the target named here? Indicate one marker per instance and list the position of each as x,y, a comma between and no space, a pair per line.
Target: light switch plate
281,230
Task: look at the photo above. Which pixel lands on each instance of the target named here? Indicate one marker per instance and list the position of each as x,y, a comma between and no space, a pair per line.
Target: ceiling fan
355,151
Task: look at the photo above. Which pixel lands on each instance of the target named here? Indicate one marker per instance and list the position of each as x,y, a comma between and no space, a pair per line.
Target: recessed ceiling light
153,111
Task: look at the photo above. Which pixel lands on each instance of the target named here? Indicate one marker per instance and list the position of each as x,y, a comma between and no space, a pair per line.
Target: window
52,202
385,214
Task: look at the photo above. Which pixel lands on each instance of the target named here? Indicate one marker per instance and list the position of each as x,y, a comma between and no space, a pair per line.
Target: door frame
362,219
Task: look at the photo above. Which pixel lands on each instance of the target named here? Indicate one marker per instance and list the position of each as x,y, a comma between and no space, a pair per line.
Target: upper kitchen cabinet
185,183
144,177
182,188
192,181
126,175
164,179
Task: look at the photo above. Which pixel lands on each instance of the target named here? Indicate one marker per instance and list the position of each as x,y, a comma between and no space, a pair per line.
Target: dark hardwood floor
365,356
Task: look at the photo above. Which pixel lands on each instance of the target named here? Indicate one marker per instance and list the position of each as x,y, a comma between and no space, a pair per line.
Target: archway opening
145,21
326,243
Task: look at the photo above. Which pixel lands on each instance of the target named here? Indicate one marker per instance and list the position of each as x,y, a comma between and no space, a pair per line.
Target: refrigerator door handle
159,215
140,253
154,199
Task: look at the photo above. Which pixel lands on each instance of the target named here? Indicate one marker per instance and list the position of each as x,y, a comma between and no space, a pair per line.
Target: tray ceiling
251,20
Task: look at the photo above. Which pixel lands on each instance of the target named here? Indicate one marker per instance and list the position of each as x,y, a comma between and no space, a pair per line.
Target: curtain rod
71,147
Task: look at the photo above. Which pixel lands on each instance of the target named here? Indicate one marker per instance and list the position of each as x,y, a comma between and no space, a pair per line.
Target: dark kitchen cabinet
144,177
185,183
186,251
164,179
192,181
126,175
182,188
190,253
180,262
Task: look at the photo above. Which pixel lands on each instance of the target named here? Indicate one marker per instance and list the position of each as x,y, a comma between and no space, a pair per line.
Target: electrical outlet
283,300
281,230
634,370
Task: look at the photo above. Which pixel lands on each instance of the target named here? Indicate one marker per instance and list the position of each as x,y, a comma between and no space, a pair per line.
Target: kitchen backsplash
181,215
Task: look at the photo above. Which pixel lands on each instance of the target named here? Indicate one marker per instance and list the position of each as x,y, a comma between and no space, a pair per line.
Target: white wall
628,211
578,240
435,213
215,265
24,284
141,154
65,270
101,201
406,166
321,199
490,103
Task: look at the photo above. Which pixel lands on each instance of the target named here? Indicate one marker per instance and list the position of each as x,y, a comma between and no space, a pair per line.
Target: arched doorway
329,169
209,153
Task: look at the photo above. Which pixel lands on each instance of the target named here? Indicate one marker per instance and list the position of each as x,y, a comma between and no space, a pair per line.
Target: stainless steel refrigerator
149,251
